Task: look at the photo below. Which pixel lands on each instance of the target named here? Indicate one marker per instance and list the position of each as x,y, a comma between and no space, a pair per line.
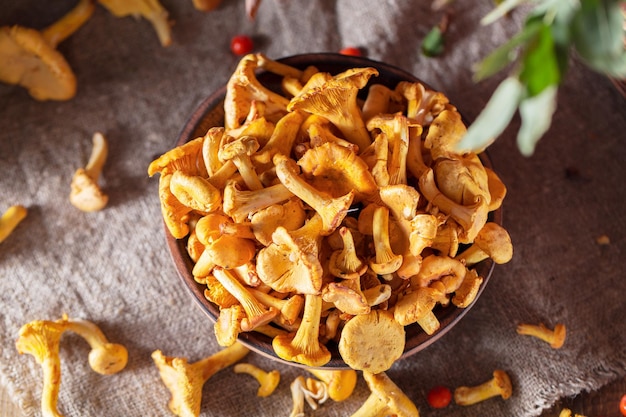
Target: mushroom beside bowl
210,113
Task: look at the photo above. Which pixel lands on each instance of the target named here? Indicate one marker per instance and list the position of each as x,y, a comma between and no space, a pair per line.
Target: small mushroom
10,219
243,88
396,128
417,307
372,342
467,291
85,193
195,192
338,170
29,57
386,398
268,381
385,261
304,346
379,100
313,391
290,215
41,338
185,380
492,241
152,10
444,133
291,262
555,337
239,151
332,210
257,314
346,296
345,263
499,385
448,271
241,204
341,383
470,217
336,100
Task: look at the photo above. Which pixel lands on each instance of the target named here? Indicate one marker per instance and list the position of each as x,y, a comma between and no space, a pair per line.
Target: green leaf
494,118
598,36
536,114
540,64
504,55
433,42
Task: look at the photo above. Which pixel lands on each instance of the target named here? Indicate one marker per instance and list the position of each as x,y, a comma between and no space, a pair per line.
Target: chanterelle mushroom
86,194
10,219
499,385
386,398
336,100
41,339
304,346
149,9
185,380
372,342
29,57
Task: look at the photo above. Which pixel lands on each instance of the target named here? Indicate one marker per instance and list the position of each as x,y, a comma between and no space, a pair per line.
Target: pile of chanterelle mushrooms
316,217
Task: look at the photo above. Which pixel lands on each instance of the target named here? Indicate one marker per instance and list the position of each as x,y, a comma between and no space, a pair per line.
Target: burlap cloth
112,267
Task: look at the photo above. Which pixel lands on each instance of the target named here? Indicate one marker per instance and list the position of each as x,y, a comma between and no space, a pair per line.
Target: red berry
439,397
351,50
622,405
241,45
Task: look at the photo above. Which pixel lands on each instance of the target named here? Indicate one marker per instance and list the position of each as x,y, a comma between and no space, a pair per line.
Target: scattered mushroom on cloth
360,210
30,59
41,339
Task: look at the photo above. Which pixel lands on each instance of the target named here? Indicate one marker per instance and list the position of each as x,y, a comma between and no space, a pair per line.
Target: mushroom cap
462,178
152,10
341,383
109,359
85,193
290,264
338,170
28,60
372,342
502,381
495,241
397,402
444,133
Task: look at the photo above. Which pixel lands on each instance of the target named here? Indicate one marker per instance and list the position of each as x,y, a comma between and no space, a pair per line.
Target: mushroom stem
385,262
386,398
268,381
220,360
345,263
239,204
41,339
257,313
471,218
499,385
555,337
332,210
304,346
105,358
10,219
69,23
372,407
98,156
185,381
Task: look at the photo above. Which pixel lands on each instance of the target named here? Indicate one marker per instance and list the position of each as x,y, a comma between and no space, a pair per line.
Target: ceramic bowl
210,113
